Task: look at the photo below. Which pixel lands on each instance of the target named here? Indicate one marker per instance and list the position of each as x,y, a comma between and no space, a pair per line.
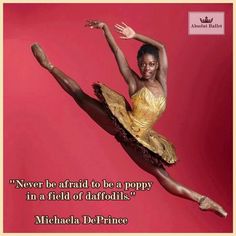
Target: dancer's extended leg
171,185
182,191
90,105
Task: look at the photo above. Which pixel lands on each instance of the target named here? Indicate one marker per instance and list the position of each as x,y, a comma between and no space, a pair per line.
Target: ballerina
132,127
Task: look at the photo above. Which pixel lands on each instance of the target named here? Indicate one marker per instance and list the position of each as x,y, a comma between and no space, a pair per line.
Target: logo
206,20
206,23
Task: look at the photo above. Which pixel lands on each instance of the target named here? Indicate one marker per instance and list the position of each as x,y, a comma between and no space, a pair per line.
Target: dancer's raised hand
125,31
94,24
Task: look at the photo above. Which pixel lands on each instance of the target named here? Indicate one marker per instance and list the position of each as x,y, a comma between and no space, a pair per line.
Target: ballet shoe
207,204
41,56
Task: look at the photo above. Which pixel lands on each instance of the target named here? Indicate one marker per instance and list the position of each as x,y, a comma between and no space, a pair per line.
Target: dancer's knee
78,95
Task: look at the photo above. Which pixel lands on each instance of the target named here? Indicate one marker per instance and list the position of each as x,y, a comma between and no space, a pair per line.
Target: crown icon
206,20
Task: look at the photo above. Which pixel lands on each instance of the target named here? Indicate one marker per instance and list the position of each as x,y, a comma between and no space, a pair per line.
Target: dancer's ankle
50,67
202,198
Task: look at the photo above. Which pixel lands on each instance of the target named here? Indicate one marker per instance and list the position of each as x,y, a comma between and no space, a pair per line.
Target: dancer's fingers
119,31
124,24
119,27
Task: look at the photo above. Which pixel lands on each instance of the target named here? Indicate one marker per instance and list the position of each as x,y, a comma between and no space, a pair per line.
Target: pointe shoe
41,56
208,204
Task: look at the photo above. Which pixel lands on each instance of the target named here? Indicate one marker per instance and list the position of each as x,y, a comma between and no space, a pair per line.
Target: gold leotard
146,109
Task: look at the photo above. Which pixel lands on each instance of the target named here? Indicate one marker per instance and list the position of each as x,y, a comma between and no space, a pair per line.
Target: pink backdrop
47,136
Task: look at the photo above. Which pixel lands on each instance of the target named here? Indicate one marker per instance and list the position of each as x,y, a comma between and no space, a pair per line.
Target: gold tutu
146,109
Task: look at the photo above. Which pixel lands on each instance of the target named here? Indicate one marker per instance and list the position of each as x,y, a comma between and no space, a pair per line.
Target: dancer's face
148,66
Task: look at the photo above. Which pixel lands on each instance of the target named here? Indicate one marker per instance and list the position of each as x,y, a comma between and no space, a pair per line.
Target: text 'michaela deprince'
133,127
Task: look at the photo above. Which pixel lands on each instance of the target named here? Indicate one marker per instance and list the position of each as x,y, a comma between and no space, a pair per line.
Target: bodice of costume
146,109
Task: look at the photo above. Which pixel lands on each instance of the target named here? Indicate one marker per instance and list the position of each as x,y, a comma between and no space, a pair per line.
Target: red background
46,135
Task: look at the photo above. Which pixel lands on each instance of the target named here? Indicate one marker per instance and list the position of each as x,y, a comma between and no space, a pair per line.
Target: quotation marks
132,194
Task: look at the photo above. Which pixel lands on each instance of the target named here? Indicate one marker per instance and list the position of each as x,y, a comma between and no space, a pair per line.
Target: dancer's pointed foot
41,56
207,204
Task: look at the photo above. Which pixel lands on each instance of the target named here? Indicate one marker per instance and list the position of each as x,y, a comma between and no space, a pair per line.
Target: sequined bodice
147,108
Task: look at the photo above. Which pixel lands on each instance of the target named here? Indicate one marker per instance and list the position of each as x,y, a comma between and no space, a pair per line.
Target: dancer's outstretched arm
128,74
128,33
